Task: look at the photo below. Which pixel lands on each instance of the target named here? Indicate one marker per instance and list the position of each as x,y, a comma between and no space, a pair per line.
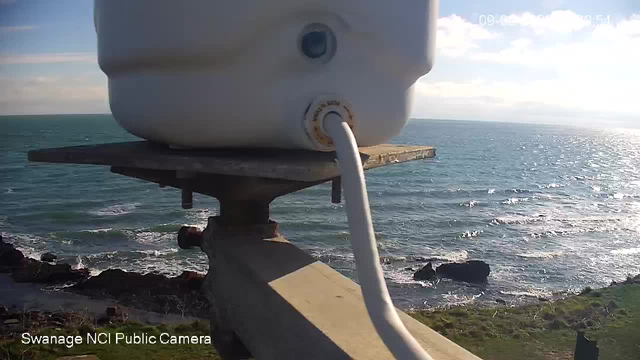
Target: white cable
374,290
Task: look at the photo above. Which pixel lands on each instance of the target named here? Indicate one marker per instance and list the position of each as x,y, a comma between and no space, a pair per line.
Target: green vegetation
15,350
547,331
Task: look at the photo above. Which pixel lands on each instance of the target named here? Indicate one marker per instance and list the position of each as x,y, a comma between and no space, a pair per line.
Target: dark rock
10,257
3,311
192,279
189,237
113,311
42,272
55,323
473,271
115,282
48,257
500,301
541,299
103,320
586,291
153,292
426,273
409,268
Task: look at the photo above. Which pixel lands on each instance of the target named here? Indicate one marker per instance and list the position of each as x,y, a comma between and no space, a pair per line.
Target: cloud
548,101
559,21
53,94
90,58
590,74
606,48
10,29
456,36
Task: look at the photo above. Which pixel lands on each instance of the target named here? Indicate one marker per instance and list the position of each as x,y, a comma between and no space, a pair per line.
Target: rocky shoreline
179,295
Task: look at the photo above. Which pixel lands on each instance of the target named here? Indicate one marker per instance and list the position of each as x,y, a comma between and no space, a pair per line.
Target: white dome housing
206,73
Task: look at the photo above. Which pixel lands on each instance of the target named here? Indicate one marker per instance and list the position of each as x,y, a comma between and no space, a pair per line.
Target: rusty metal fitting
189,237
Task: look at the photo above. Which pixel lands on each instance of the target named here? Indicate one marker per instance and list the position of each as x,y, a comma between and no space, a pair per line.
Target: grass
15,350
547,331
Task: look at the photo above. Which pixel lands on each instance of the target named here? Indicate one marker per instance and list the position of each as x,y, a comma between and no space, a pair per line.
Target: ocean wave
514,201
534,293
148,237
470,203
200,216
630,251
517,220
115,210
168,228
459,299
550,186
106,234
9,191
540,254
402,276
470,234
158,253
449,256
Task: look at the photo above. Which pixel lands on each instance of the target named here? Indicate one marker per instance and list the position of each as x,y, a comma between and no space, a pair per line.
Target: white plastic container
207,73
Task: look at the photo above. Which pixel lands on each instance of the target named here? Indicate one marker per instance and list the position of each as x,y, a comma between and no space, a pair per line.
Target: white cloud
9,29
53,94
548,101
90,58
607,48
456,36
559,21
592,75
579,95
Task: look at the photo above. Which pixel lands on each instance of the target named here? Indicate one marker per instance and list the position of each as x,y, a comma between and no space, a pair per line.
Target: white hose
374,289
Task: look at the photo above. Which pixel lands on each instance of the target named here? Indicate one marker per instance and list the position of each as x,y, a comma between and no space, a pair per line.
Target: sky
574,62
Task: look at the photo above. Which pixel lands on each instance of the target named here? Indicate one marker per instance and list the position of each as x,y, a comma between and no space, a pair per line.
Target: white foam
471,234
470,203
550,186
200,216
95,231
148,237
514,201
491,191
452,256
157,253
516,220
79,263
458,299
619,196
630,251
536,293
541,254
115,210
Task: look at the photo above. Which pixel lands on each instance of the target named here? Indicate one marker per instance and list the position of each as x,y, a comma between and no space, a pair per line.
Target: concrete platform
296,165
